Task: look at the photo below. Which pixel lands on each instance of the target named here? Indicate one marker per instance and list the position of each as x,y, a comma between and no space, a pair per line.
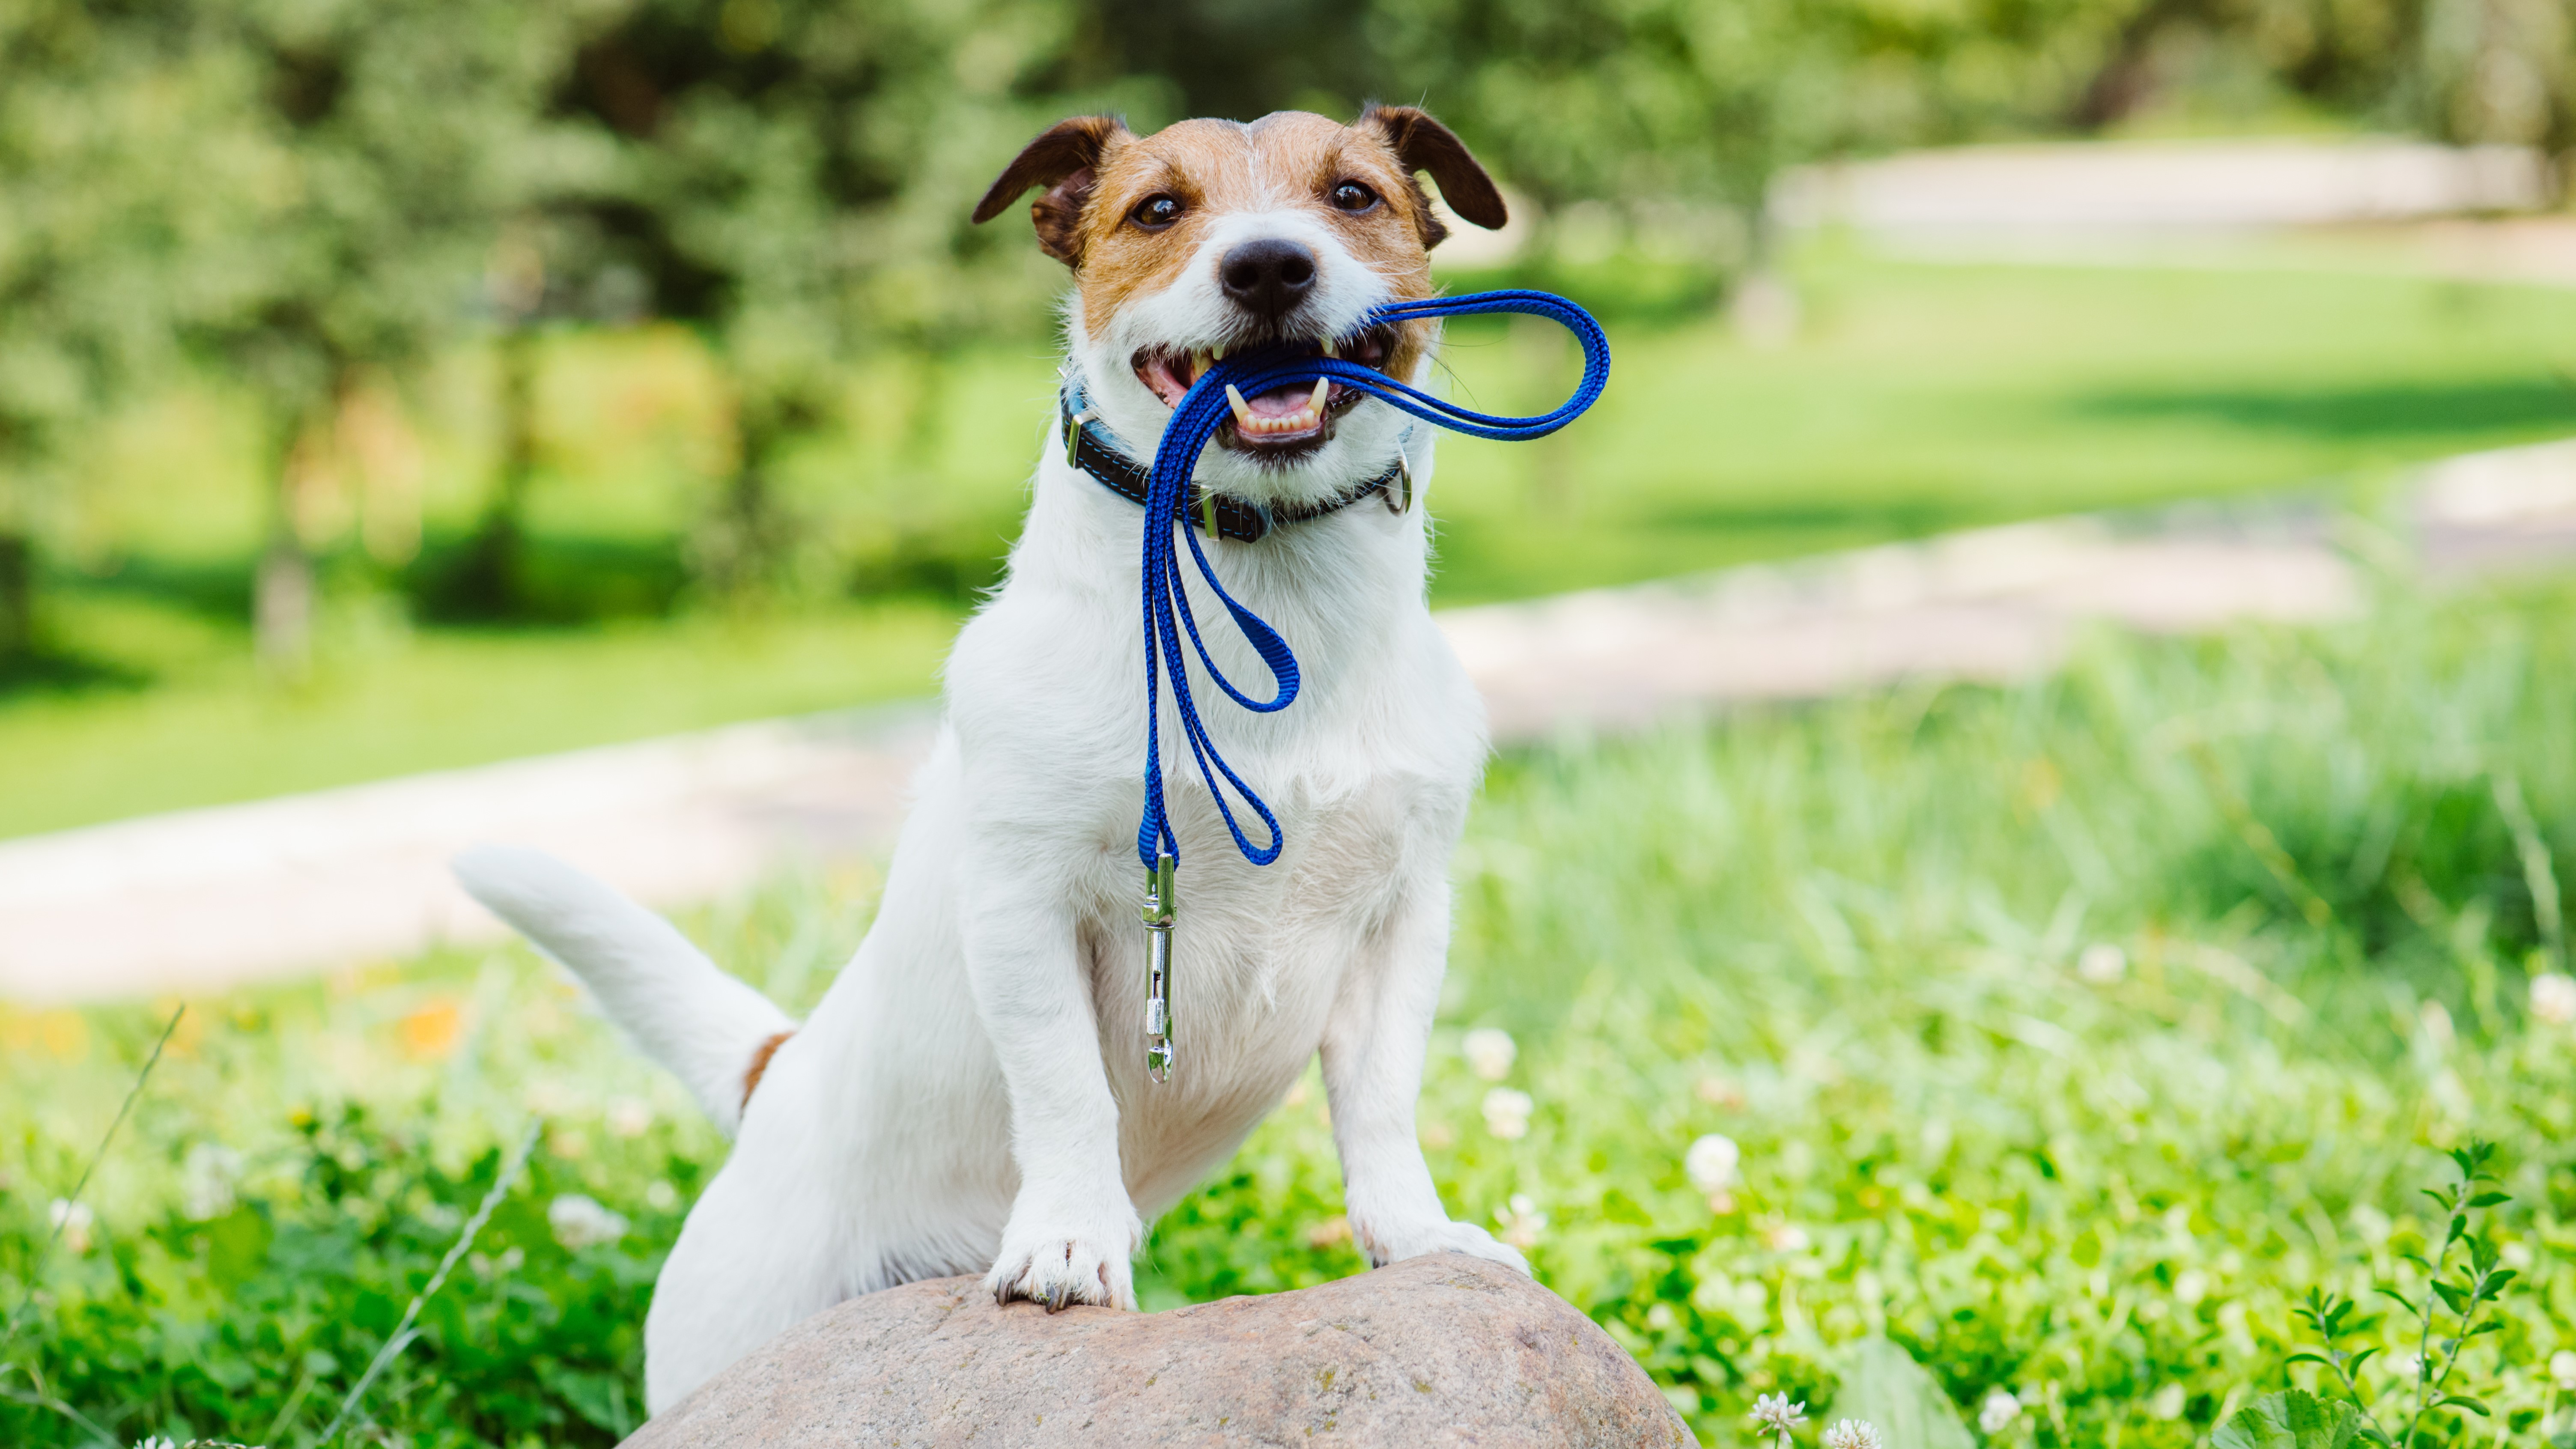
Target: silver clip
1161,903
1073,437
1399,493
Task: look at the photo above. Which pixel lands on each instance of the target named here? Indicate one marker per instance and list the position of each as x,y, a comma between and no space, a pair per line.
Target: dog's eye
1155,212
1352,196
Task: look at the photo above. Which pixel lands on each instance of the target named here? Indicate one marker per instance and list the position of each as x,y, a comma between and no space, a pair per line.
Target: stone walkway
205,899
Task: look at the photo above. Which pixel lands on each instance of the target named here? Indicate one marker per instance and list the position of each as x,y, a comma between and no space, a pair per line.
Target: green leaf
2490,1199
2457,1401
2403,1301
2496,1281
2293,1420
1885,1386
2452,1294
2309,1356
2353,1364
2492,1325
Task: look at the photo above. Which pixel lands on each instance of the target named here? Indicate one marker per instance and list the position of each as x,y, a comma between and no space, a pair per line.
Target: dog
972,1094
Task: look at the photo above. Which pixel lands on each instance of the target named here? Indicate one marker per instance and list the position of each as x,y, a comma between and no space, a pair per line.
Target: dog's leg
1373,1045
1073,1228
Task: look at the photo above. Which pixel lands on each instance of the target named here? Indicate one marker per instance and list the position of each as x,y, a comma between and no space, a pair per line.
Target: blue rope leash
1195,420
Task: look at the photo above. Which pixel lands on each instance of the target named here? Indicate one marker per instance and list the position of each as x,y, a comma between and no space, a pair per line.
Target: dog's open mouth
1285,421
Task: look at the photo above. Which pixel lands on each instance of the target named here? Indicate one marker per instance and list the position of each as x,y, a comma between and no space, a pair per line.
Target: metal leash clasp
1160,905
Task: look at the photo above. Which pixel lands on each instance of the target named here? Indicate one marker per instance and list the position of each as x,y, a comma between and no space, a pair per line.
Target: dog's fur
971,1095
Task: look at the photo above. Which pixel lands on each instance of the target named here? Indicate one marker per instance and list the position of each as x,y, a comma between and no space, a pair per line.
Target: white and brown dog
972,1095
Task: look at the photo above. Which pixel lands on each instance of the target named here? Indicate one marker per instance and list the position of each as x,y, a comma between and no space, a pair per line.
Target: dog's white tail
715,1032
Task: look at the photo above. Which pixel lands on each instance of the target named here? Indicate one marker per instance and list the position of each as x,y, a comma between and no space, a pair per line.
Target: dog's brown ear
1423,144
1065,160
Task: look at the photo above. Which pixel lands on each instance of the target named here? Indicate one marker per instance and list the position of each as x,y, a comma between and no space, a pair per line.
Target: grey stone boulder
1439,1350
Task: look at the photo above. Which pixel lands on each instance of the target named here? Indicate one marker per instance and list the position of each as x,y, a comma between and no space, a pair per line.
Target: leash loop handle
1167,616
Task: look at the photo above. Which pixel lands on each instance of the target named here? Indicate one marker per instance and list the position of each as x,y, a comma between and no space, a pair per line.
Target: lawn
2064,1036
1918,397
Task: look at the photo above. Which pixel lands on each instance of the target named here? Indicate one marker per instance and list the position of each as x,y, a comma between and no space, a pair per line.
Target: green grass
1917,398
1869,941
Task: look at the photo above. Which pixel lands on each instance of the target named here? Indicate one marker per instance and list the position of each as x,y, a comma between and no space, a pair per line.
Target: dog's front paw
1391,1243
1056,1263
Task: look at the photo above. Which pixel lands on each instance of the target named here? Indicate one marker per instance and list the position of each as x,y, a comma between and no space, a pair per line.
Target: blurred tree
97,221
795,184
379,147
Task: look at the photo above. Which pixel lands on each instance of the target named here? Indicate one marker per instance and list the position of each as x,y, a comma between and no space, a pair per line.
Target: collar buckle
1073,437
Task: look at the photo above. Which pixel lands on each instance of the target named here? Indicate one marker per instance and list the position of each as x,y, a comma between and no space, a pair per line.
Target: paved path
204,899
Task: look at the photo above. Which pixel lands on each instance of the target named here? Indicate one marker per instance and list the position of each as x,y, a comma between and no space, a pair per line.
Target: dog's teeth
1323,394
1328,348
1198,365
1243,417
1217,353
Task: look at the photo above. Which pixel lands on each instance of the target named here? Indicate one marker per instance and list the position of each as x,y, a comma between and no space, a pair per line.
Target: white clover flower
1521,1222
154,1443
1852,1434
2102,963
2553,997
1711,1162
580,1222
1774,1412
1507,1113
72,1220
1491,1052
629,1117
1999,1410
206,1180
2562,1370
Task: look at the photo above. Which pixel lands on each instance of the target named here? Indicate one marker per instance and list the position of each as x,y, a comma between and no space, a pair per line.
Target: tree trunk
2127,76
17,597
282,592
488,583
282,607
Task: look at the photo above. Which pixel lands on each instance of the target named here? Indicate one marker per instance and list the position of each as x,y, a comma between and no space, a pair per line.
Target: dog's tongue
1280,402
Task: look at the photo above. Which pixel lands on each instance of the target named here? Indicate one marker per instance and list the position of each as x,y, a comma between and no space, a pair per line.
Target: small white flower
1491,1052
2191,1287
661,1197
73,1220
2553,997
1521,1222
206,1180
2562,1370
1852,1434
580,1222
1711,1162
629,1117
1998,1411
1661,1318
2102,963
154,1443
1776,1413
1507,1113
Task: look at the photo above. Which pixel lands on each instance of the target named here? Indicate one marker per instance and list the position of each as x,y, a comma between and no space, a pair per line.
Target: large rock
1439,1350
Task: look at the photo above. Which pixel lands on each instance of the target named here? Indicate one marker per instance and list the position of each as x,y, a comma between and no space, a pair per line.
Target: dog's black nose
1267,278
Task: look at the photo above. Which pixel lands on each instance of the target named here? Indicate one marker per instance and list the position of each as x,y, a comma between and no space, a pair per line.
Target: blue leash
1195,420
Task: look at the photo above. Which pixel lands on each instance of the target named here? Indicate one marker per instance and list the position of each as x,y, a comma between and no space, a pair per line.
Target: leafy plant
2463,1293
2296,1419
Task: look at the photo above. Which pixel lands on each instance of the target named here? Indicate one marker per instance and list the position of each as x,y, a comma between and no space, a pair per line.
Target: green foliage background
312,202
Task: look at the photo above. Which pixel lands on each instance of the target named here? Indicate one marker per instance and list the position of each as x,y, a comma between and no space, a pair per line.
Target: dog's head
1211,236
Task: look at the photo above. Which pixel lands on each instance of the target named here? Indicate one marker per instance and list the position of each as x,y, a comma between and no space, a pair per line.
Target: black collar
1235,518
